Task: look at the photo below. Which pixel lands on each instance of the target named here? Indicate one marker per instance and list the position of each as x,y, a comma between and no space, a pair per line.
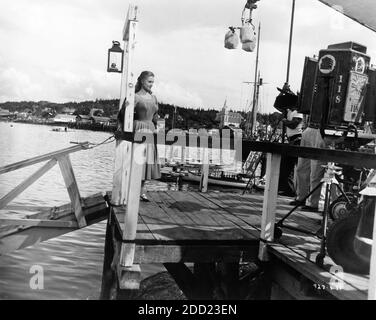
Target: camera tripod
330,180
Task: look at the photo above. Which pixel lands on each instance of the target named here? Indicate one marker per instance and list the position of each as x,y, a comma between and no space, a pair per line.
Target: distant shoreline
78,126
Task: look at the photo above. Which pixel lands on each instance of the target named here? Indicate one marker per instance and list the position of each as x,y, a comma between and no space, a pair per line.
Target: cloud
172,93
57,50
15,84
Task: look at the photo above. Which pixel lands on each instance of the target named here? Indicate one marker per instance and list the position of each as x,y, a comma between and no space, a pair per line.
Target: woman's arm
155,116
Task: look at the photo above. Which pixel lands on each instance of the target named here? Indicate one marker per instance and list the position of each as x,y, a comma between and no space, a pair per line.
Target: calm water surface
93,170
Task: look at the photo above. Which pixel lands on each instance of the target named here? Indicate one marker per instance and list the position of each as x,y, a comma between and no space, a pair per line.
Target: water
93,170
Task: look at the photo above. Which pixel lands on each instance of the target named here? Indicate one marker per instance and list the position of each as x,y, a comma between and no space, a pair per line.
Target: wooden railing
62,158
274,154
222,140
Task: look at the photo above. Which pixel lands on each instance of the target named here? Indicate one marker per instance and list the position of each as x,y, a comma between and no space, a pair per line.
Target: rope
109,140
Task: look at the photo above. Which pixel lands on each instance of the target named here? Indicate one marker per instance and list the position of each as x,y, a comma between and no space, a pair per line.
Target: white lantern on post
115,58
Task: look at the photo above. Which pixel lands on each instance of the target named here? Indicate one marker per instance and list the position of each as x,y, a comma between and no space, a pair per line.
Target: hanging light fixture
115,58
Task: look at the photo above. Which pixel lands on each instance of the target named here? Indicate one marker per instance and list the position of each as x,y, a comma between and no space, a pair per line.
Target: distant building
114,119
101,120
27,110
4,113
64,118
47,109
229,119
68,110
83,119
96,112
25,114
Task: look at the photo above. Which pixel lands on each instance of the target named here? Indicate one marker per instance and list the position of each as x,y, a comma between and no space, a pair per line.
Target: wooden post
129,159
123,152
24,185
269,205
205,171
183,278
131,212
72,187
183,150
204,142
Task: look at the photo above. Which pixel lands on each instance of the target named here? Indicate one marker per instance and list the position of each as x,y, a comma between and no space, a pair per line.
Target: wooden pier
215,231
218,231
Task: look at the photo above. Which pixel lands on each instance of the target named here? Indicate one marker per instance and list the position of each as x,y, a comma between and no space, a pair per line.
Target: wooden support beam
26,208
205,171
108,274
131,16
39,223
269,205
356,159
28,182
72,187
291,284
129,277
43,158
129,157
183,278
131,212
146,254
123,152
183,151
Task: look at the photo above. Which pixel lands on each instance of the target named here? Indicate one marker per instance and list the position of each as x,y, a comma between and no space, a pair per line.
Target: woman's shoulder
155,97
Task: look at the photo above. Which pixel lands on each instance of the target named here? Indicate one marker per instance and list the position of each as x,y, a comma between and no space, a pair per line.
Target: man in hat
293,123
286,103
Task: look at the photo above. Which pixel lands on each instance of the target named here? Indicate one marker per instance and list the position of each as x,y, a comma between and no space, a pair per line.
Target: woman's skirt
151,167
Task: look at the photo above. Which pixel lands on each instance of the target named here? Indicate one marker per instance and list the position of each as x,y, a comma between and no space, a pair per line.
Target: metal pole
255,83
290,41
256,102
289,59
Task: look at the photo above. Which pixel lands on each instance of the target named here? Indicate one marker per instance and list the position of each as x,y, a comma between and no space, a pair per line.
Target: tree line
185,118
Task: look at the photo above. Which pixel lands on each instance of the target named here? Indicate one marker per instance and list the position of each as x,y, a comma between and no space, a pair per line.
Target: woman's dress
146,108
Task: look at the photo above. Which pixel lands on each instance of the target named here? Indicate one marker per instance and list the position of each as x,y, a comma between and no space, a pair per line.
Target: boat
59,130
48,223
233,182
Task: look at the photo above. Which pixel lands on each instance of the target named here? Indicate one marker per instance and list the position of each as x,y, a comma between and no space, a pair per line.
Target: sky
56,50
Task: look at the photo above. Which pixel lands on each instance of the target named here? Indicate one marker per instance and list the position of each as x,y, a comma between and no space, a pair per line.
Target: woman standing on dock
145,120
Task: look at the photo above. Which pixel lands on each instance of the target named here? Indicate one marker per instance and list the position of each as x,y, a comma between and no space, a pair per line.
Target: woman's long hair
143,76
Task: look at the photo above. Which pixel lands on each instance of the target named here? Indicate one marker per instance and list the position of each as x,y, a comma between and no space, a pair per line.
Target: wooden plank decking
180,227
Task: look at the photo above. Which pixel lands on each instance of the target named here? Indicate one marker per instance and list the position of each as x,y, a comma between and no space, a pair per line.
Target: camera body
339,88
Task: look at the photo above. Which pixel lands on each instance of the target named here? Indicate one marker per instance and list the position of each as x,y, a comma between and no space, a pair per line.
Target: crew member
310,172
294,127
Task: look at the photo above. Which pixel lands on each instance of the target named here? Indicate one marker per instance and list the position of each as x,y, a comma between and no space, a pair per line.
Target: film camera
338,89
